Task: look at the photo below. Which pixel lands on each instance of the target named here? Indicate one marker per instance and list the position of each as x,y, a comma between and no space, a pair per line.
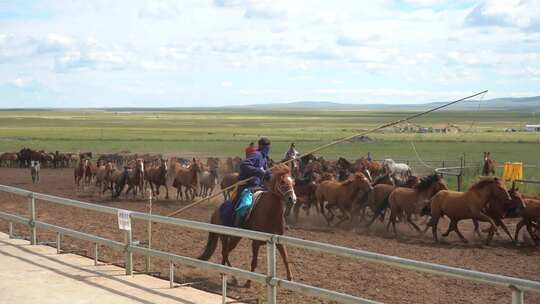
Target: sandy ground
369,280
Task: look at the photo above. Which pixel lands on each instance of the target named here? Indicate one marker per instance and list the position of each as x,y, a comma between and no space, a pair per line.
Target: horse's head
432,184
362,182
282,184
164,166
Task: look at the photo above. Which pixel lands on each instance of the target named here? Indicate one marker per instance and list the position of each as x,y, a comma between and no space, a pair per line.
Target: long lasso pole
386,125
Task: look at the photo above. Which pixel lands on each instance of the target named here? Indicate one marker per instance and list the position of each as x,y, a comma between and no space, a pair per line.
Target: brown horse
228,180
413,200
115,179
80,172
341,195
467,205
101,175
90,172
209,178
266,216
530,218
135,178
208,182
499,209
187,178
373,167
8,159
157,177
489,164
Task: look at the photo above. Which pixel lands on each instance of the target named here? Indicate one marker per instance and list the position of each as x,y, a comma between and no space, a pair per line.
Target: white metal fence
516,285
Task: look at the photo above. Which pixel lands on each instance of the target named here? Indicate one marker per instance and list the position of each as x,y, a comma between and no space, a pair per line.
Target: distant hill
498,104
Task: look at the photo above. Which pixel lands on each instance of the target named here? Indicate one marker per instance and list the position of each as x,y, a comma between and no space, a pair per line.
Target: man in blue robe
255,166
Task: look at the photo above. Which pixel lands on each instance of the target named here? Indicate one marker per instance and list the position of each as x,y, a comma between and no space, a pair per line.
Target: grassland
225,133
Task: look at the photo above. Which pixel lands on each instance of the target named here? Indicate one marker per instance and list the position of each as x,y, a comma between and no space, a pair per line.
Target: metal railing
516,285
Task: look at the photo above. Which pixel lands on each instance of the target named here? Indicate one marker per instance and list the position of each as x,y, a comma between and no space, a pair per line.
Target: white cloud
522,14
88,50
160,10
19,82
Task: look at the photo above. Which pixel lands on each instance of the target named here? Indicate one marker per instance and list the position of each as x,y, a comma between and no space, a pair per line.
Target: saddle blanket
227,210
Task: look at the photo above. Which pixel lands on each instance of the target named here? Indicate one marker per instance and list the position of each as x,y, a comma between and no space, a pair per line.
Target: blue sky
222,52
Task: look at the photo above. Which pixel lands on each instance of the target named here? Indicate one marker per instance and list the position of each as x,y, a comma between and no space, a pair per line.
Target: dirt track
372,281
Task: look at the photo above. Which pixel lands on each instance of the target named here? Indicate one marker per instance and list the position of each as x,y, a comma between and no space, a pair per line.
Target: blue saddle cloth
226,213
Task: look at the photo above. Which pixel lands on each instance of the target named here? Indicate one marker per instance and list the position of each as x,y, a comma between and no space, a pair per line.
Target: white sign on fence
124,222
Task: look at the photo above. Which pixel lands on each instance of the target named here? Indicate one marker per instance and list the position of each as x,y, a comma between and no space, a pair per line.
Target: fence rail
516,285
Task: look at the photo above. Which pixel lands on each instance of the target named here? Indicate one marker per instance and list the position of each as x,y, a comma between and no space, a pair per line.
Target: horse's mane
483,183
280,169
427,181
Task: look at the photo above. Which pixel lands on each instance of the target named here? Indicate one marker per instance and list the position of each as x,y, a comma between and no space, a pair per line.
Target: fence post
32,222
10,230
171,274
147,258
58,243
129,255
223,289
517,295
271,272
96,252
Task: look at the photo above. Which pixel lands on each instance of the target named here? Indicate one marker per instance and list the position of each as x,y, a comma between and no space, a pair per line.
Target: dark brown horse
413,200
498,209
157,177
489,165
530,218
266,216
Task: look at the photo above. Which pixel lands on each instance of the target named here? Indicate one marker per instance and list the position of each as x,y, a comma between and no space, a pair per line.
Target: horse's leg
477,228
285,258
434,223
296,211
409,219
479,215
450,228
518,228
500,223
166,190
456,229
529,227
255,245
345,215
231,243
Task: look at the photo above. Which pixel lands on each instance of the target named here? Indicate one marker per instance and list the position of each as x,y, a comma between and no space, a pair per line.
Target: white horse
34,171
400,172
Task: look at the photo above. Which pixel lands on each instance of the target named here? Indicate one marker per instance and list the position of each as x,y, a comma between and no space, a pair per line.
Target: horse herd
358,192
57,159
190,177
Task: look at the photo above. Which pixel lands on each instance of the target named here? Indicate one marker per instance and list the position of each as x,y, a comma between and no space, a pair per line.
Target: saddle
256,198
227,211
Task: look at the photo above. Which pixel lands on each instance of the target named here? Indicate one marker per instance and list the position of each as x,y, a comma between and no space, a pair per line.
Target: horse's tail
211,246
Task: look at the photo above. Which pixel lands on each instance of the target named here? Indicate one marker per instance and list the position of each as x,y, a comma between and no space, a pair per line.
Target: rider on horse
255,166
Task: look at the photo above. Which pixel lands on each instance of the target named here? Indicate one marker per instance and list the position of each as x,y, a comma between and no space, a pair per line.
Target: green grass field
225,133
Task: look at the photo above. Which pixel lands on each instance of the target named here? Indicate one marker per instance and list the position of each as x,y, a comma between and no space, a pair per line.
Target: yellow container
512,171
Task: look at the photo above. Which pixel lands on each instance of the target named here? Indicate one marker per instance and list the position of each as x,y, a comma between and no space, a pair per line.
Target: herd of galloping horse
359,192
